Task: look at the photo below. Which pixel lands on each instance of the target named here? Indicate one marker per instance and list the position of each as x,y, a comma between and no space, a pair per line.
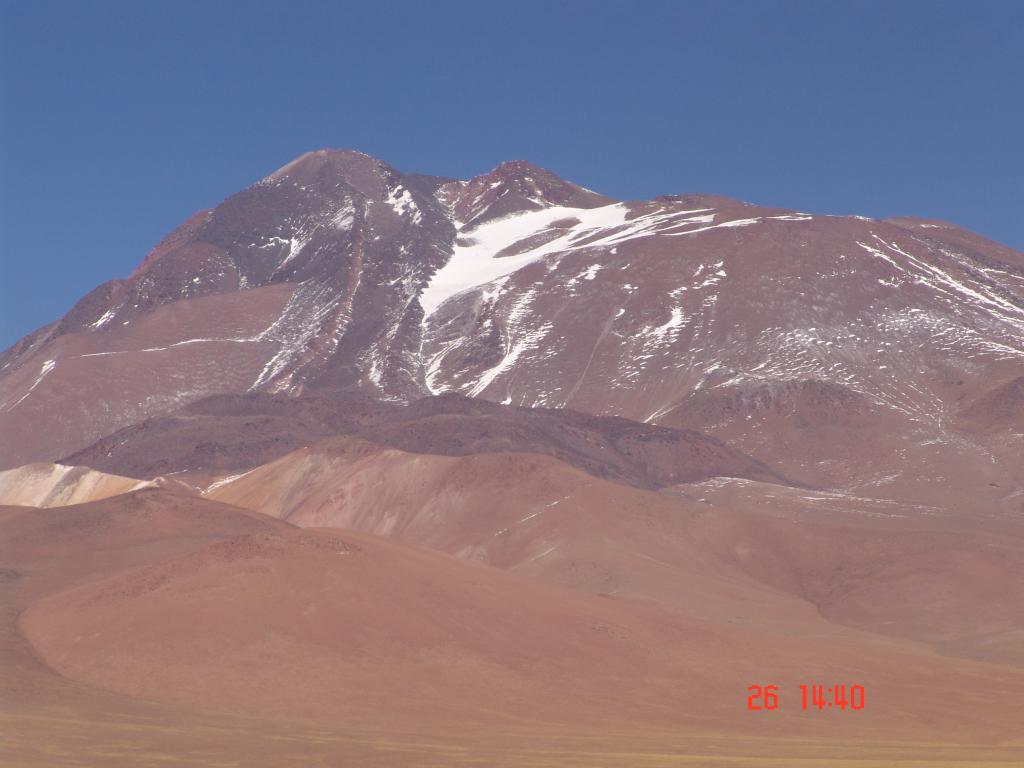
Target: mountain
338,275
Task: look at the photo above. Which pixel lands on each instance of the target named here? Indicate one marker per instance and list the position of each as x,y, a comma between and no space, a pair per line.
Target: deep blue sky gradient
119,119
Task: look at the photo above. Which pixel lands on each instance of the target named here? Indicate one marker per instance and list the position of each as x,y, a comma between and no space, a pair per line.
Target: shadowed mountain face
311,273
236,433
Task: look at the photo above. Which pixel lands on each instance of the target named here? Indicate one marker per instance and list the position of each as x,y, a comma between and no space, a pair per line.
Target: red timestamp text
840,697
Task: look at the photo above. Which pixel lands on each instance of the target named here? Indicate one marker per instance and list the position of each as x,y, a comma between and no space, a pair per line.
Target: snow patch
729,224
45,369
105,318
225,481
345,217
400,200
473,260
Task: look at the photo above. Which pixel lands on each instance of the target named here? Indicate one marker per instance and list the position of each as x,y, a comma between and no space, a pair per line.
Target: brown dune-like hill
336,626
948,582
957,587
43,551
518,511
60,545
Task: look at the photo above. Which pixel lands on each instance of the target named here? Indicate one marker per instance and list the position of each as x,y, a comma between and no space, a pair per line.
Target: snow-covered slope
689,299
777,330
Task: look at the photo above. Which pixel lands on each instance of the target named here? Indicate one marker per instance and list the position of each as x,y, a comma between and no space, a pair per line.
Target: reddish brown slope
328,625
323,259
53,548
1001,409
764,556
47,719
85,383
956,585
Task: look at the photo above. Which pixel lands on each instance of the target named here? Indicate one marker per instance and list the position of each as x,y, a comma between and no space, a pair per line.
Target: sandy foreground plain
128,596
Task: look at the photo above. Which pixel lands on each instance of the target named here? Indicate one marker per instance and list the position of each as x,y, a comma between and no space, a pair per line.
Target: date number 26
763,697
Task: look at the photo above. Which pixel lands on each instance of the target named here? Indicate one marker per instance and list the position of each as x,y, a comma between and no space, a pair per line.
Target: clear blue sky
119,119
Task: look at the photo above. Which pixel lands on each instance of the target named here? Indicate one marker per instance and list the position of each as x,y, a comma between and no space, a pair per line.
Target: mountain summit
515,186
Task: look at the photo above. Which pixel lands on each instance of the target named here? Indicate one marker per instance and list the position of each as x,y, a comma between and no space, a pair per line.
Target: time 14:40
811,696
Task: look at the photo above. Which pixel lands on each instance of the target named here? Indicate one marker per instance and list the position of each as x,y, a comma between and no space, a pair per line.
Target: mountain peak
513,168
512,187
309,165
